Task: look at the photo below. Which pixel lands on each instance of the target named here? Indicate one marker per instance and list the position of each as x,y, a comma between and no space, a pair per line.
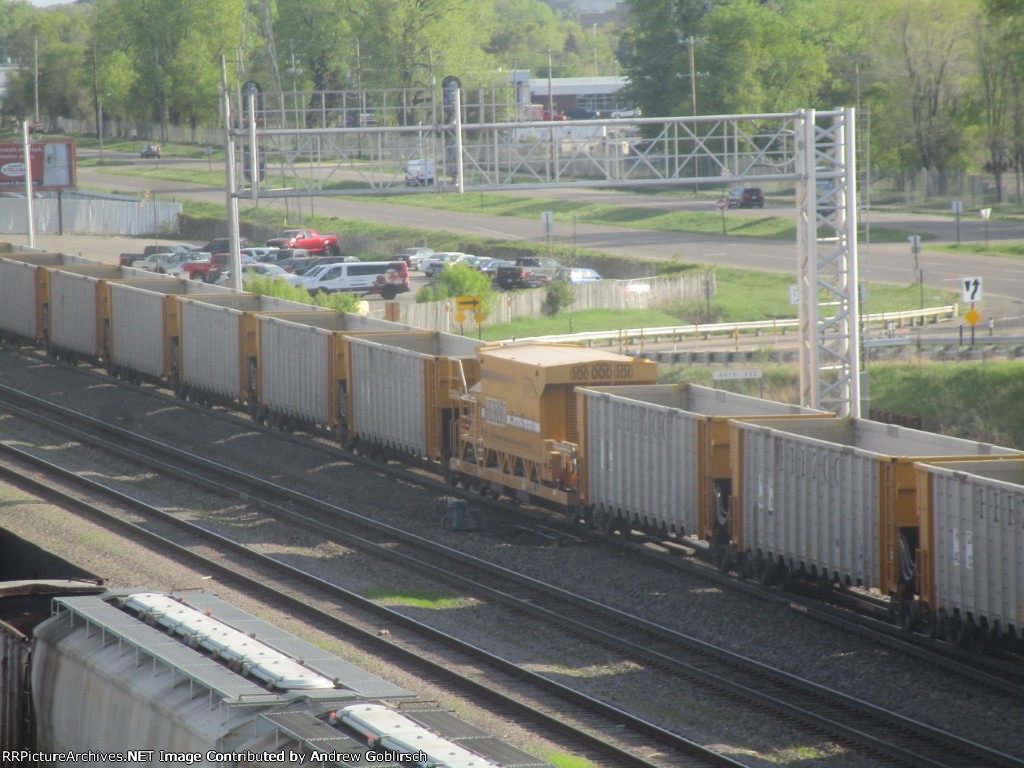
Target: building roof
576,86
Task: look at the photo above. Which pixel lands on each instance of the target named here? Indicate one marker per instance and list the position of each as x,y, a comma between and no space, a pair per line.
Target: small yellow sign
469,302
973,317
479,317
460,317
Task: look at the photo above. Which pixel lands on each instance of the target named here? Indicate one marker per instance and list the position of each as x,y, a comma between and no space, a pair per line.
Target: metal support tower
827,269
814,150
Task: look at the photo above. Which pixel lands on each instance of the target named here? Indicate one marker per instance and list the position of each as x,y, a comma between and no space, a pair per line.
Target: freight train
933,523
189,679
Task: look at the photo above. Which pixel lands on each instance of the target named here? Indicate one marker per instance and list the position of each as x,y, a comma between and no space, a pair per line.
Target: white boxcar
21,288
654,452
220,342
144,322
974,515
833,496
302,364
399,389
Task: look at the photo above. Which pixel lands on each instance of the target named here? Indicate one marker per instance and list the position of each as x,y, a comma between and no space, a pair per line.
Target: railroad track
578,721
847,719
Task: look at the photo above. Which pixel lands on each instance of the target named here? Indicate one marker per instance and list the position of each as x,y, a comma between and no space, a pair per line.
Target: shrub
280,289
557,296
455,280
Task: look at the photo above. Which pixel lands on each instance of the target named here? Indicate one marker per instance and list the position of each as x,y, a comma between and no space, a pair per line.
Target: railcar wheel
723,557
763,570
909,615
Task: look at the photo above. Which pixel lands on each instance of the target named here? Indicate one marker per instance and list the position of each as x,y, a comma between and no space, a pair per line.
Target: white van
420,173
388,278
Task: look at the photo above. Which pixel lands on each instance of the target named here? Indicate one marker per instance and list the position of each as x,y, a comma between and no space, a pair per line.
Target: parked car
745,197
150,151
477,262
260,253
177,269
163,263
576,275
289,259
619,114
414,256
491,267
254,269
432,267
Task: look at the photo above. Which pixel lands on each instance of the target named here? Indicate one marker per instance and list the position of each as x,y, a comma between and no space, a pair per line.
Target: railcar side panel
302,363
813,504
660,450
642,460
19,299
211,341
975,513
833,495
137,329
295,370
74,313
389,395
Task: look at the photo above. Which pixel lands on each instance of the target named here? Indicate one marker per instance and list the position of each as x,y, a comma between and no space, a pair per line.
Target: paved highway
879,262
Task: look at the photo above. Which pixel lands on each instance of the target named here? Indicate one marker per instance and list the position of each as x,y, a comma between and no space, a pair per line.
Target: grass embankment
981,401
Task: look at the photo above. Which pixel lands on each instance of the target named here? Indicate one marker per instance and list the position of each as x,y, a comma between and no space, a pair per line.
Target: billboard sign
52,162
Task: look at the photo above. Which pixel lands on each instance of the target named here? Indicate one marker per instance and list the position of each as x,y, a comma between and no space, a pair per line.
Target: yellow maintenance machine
518,432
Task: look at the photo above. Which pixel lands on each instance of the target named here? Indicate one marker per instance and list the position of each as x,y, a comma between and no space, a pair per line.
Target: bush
557,296
455,280
279,289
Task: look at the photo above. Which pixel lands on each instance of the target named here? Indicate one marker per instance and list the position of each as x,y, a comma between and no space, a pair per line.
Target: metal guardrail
669,333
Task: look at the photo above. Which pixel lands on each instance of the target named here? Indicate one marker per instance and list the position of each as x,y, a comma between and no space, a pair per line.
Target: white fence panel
607,294
90,217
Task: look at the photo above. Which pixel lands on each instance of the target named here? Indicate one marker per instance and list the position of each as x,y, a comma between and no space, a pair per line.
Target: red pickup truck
207,270
307,239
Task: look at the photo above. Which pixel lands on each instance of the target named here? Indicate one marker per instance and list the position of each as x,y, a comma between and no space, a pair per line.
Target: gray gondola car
143,326
24,288
970,561
78,306
658,455
303,376
834,497
220,343
400,393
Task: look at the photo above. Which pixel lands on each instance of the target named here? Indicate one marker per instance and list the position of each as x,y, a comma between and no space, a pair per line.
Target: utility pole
96,100
35,57
551,94
690,43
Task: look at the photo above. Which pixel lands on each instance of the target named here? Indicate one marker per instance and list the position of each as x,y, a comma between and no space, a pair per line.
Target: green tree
925,76
175,49
457,280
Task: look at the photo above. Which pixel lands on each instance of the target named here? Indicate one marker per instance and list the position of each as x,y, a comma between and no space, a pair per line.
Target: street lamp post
293,72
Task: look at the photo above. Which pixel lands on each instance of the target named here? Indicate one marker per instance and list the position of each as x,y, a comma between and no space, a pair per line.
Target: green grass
415,598
980,401
1013,251
741,296
562,760
708,222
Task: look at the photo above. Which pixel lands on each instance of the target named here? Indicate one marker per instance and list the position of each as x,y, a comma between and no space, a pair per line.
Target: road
878,262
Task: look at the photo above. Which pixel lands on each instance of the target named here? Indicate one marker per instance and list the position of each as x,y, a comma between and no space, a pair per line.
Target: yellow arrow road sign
469,302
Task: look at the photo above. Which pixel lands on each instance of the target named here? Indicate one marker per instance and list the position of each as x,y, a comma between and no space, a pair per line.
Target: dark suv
746,197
